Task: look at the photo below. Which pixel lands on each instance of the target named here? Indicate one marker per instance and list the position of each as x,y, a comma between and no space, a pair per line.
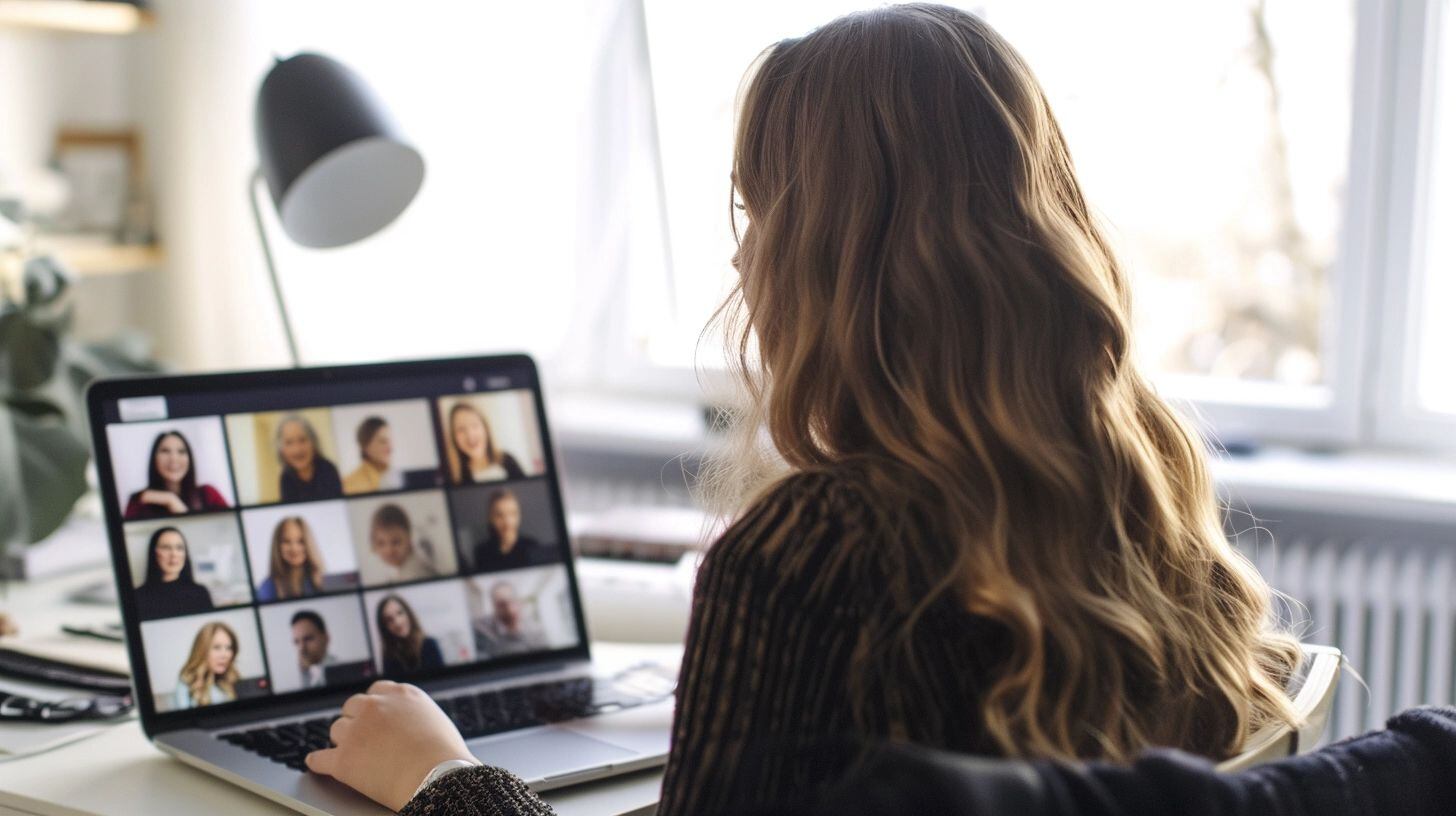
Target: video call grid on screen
431,528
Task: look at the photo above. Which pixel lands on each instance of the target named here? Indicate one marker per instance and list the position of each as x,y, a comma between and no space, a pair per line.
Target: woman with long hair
168,588
981,530
406,648
295,563
172,487
478,457
306,473
210,675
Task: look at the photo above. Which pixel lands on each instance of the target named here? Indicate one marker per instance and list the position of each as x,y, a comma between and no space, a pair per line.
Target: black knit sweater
787,602
784,600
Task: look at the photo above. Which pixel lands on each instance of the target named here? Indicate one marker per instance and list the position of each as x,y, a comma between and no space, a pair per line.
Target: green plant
44,371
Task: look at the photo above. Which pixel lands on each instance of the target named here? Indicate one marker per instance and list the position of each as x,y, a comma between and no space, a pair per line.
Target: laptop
281,539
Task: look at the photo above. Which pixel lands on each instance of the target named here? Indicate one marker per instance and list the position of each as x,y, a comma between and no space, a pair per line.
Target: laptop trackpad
535,755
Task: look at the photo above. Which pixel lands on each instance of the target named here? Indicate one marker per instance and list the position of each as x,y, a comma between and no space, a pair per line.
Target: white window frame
1367,397
1398,418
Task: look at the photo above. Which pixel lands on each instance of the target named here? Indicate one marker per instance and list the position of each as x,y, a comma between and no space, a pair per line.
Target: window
1415,399
1214,139
1435,383
1242,156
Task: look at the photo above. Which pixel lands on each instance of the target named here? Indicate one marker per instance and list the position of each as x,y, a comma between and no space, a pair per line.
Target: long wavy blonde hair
199,677
930,300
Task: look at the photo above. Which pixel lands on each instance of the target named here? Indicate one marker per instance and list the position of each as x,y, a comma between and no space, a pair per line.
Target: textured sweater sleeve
773,614
483,791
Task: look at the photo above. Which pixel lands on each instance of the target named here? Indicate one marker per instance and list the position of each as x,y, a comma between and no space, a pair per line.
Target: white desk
119,772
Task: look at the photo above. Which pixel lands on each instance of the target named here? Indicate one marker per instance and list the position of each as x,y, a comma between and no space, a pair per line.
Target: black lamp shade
337,168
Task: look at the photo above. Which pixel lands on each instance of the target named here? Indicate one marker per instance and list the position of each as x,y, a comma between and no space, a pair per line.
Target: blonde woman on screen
210,675
981,530
295,563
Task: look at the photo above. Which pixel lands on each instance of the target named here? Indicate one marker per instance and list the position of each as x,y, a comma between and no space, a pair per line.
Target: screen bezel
105,391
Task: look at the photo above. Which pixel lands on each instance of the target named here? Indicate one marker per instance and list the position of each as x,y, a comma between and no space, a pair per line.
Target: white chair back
1312,689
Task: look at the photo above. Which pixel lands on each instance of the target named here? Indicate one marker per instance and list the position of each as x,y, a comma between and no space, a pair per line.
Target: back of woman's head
931,299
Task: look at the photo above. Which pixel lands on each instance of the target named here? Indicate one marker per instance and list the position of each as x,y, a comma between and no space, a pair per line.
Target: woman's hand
387,740
165,498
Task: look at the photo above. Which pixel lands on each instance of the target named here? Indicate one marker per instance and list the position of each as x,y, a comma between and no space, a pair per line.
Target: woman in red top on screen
172,487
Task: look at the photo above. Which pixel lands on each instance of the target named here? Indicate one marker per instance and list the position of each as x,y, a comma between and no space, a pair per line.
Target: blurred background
1273,173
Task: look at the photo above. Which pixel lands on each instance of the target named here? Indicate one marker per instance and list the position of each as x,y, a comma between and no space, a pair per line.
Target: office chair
1312,688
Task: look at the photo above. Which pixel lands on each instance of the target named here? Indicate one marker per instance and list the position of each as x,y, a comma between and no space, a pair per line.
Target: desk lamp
334,161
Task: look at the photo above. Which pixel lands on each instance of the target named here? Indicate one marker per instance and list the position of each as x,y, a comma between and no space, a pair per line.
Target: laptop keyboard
476,715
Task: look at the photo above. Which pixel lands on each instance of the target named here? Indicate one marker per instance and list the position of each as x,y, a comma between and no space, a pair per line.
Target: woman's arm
773,615
211,498
1409,768
389,738
776,614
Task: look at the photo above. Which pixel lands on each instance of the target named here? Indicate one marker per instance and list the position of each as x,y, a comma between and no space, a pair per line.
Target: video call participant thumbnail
479,456
521,611
402,537
406,647
376,449
505,546
507,629
169,587
211,675
317,666
386,446
172,487
295,563
392,543
307,474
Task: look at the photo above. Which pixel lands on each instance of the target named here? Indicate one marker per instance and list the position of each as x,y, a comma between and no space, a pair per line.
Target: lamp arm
272,270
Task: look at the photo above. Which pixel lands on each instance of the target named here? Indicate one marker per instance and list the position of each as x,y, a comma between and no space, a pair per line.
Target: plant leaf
48,464
33,352
45,280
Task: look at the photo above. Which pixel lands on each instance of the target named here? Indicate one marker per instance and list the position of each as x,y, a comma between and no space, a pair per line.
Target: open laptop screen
281,533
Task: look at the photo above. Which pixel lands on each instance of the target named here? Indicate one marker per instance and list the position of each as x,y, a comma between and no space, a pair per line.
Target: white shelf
74,16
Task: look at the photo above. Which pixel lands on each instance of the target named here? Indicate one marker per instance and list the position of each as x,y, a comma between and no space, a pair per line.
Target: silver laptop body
500,631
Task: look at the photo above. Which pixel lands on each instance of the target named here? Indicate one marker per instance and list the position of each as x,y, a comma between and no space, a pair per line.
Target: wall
54,80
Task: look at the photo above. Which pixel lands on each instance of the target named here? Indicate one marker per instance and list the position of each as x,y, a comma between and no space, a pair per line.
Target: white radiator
1370,578
1387,604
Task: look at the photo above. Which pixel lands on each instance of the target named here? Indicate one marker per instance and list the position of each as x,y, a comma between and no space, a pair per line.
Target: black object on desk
110,632
19,708
22,666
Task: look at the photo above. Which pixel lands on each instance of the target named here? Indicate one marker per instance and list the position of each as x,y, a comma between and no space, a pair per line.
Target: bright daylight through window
1435,386
1213,139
